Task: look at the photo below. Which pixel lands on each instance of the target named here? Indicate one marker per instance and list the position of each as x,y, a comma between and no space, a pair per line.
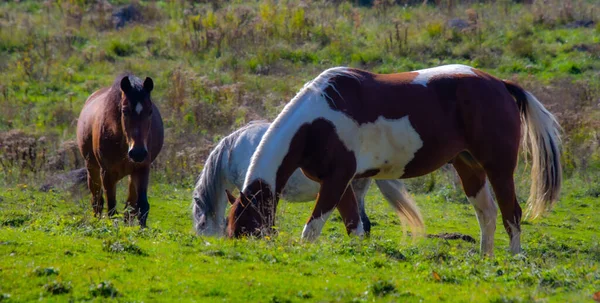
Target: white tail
397,196
541,139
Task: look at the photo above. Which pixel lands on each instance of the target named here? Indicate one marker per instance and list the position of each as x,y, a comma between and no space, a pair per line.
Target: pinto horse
349,123
119,133
226,167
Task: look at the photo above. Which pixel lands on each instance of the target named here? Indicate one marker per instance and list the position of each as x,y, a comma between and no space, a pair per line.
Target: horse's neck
111,115
275,145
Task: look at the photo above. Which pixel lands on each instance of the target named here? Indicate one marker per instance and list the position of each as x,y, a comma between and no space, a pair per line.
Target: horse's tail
397,196
541,138
209,185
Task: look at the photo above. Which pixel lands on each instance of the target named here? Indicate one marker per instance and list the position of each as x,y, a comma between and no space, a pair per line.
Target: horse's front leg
109,181
131,206
94,182
333,191
139,178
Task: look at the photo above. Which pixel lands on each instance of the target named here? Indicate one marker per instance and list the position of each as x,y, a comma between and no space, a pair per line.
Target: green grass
219,64
53,249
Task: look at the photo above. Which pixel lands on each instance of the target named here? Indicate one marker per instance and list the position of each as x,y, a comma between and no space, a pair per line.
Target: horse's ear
230,197
148,84
125,84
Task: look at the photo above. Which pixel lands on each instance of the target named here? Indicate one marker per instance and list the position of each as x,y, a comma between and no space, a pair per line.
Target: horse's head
208,221
244,217
136,117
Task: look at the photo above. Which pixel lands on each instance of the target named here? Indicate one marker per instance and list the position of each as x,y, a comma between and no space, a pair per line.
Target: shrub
383,288
57,288
121,48
104,289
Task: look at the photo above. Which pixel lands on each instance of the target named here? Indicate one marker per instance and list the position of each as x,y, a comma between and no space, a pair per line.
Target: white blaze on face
425,75
138,108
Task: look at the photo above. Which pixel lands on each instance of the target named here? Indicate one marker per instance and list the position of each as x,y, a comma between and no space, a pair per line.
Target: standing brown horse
349,123
119,133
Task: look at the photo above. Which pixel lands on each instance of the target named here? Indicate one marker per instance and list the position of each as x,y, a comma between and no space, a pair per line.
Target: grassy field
52,249
219,64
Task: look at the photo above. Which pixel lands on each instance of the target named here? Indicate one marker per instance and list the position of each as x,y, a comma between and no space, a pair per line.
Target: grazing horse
349,123
119,133
226,167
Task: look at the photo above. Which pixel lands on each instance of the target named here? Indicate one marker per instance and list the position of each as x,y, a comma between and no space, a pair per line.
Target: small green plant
522,47
104,289
121,48
434,29
115,246
383,288
45,271
57,287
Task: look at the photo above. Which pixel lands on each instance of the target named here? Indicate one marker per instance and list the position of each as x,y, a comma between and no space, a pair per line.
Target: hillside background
220,64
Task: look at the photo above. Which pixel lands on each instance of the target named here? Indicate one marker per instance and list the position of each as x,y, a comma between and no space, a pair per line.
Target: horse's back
406,120
241,150
87,121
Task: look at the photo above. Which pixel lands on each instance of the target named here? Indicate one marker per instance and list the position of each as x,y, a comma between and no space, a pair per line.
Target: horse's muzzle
138,154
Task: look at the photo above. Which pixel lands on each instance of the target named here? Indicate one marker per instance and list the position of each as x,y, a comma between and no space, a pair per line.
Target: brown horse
119,133
348,123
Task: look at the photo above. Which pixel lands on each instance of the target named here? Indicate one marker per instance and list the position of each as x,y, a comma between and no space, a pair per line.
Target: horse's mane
208,185
314,88
115,89
135,81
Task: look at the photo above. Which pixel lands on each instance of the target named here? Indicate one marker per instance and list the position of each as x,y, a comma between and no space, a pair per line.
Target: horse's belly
387,145
300,188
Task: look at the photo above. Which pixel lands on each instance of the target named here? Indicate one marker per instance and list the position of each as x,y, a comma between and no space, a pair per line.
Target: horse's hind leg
503,183
95,185
499,166
361,187
348,208
473,180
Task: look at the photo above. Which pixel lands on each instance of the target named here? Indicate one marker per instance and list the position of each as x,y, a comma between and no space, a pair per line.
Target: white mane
276,142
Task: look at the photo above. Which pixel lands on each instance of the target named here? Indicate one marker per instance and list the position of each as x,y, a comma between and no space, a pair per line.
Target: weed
115,246
45,271
57,288
104,289
382,288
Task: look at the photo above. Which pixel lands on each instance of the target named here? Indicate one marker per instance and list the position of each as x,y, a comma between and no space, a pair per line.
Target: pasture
53,249
217,65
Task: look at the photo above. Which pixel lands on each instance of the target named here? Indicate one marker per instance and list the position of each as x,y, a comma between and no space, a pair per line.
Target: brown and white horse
119,133
349,123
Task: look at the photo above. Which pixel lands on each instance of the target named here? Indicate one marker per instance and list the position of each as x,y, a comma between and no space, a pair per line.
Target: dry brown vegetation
219,65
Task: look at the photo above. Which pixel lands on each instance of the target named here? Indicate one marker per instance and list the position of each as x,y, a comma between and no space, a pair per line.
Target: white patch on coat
313,228
486,211
387,145
138,108
425,75
391,140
